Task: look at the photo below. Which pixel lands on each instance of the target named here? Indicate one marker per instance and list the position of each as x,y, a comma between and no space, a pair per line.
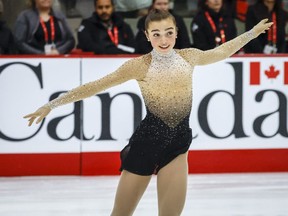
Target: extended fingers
32,117
31,120
34,114
264,20
40,118
29,115
268,25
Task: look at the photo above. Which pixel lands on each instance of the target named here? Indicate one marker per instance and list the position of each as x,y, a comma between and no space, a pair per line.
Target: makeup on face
162,35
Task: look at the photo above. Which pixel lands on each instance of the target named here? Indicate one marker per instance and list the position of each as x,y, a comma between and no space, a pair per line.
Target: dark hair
277,7
95,2
153,2
158,15
203,6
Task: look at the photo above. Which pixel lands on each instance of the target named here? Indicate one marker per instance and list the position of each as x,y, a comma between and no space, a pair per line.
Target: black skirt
154,144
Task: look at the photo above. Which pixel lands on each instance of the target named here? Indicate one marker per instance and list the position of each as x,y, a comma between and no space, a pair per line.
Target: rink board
239,116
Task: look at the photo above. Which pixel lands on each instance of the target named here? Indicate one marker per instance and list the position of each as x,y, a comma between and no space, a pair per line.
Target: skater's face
162,35
43,4
104,9
214,5
161,5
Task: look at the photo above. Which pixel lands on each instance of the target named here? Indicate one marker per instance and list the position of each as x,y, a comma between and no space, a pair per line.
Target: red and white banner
239,116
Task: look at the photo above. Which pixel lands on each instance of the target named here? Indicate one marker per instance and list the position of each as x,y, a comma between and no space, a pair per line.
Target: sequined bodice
167,87
165,80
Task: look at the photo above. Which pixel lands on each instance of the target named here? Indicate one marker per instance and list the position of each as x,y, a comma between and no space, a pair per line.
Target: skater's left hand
262,26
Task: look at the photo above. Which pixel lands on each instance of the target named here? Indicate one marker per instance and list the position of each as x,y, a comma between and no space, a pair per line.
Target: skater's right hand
41,113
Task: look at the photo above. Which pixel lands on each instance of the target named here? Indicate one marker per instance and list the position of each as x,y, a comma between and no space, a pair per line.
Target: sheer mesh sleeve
132,69
199,57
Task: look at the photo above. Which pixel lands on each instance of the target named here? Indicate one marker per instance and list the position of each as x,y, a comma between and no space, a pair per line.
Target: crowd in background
43,29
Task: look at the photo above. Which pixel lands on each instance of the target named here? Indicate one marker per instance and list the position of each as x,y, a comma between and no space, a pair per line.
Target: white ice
261,194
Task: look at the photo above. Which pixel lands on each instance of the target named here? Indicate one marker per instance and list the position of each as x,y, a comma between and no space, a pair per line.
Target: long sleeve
132,69
199,57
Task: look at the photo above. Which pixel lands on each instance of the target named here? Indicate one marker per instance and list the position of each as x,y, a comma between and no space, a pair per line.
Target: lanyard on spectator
113,36
46,31
213,26
272,32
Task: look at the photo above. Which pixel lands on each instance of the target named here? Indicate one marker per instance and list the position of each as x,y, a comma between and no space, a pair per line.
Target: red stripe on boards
108,163
233,161
40,164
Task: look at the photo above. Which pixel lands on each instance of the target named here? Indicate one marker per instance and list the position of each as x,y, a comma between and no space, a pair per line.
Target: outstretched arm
229,48
123,74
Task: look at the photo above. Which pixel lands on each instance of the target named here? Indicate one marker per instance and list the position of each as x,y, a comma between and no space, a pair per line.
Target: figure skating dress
165,81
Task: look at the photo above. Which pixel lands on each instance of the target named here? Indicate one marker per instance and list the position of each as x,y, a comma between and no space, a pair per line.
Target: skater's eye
156,35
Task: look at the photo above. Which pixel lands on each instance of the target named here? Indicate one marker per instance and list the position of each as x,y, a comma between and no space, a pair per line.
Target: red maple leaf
272,73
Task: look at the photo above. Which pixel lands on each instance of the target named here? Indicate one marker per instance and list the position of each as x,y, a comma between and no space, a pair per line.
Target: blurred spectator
70,8
105,32
132,8
230,8
273,41
211,26
6,36
182,41
40,30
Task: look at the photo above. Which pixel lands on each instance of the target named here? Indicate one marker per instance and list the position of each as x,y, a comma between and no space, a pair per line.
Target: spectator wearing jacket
211,26
273,41
105,32
143,46
6,36
40,30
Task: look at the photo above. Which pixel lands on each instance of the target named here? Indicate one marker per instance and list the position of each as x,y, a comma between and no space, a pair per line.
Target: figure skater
161,142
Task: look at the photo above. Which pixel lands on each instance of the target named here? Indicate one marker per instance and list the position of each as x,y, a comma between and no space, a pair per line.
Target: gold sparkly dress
165,81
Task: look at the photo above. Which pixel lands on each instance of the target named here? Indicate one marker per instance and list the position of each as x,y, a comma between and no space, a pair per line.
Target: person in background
6,36
211,26
273,41
143,46
229,7
105,32
132,8
40,30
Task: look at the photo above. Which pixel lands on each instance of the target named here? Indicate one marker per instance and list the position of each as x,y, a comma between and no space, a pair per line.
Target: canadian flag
271,73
